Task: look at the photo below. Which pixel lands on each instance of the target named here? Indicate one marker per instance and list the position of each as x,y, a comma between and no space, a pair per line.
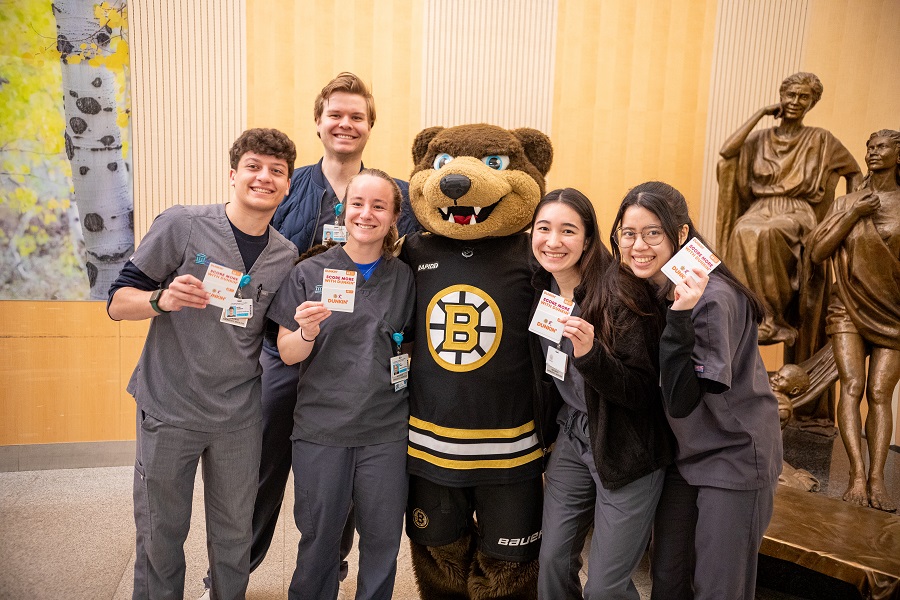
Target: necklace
371,268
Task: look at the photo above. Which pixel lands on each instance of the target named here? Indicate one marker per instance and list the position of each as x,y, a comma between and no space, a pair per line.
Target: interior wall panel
630,97
291,57
189,101
66,371
488,62
758,43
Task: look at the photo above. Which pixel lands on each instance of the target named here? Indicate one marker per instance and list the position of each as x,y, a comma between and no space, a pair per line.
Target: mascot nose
455,186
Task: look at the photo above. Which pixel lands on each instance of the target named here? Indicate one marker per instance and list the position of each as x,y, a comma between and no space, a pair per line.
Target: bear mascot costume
476,451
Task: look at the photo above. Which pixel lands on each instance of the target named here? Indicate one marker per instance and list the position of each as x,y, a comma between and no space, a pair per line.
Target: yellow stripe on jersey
476,464
471,434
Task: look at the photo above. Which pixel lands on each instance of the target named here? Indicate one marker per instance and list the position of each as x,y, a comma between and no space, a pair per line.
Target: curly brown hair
268,142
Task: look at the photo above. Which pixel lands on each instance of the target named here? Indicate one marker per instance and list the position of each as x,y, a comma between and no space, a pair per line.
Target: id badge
242,308
556,363
338,233
399,370
229,318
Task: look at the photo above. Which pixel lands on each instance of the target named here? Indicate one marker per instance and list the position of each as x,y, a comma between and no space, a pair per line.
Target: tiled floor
70,534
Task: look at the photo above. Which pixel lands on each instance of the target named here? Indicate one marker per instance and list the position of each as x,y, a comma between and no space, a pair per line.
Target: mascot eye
496,161
441,160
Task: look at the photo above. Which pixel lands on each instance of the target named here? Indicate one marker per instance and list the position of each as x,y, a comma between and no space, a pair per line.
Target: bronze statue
788,383
861,235
775,185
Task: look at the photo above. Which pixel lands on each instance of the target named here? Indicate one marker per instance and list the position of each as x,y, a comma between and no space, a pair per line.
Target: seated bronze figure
775,185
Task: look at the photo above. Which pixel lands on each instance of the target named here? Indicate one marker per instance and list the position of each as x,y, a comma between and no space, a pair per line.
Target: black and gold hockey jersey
471,379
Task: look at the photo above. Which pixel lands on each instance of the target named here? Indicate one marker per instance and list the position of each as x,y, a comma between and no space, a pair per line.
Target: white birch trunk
100,174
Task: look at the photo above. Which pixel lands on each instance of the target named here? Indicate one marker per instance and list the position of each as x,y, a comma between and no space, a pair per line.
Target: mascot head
476,181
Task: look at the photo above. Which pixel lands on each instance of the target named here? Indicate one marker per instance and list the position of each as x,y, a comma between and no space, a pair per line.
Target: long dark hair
594,261
670,207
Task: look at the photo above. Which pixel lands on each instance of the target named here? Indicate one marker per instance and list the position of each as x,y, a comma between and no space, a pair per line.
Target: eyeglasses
652,236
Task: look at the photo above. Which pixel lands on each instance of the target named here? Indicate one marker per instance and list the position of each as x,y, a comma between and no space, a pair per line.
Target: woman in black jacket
718,495
609,459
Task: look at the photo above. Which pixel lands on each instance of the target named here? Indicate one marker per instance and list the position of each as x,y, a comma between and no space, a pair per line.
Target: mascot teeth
465,215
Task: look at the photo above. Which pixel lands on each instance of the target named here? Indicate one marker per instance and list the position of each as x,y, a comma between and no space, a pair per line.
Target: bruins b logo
464,328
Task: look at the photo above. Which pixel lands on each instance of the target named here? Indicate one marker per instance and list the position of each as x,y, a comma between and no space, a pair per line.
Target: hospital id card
557,361
229,318
547,320
338,233
399,370
693,254
221,283
339,290
240,308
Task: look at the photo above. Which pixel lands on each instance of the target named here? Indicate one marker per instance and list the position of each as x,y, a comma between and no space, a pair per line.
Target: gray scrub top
572,387
731,440
345,396
196,372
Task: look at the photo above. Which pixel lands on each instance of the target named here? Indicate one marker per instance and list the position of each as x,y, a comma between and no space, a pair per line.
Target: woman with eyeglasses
718,495
608,463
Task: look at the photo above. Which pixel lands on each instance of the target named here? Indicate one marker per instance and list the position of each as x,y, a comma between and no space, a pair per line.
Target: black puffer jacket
630,436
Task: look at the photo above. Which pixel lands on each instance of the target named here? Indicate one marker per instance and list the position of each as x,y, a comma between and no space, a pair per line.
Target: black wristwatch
154,301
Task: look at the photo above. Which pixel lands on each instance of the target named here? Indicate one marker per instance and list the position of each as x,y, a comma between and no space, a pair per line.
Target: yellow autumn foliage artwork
41,244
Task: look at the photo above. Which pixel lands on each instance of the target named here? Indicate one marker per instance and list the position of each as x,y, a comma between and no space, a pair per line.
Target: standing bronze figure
861,235
775,185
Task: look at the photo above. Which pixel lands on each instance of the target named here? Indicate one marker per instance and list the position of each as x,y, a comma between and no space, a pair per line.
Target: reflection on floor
70,534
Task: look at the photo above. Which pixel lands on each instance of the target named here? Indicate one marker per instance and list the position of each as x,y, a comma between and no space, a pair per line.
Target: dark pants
706,540
327,479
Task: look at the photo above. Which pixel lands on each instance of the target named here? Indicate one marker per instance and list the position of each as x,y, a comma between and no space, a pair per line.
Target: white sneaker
205,595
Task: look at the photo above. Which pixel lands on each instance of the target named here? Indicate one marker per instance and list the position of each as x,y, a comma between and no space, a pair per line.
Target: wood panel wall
630,98
291,57
189,101
66,368
489,62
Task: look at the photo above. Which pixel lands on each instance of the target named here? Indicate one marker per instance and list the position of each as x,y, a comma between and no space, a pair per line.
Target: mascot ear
537,147
420,144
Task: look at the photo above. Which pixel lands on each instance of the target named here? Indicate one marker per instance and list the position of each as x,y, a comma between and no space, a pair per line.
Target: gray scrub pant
279,396
165,469
327,480
706,540
573,497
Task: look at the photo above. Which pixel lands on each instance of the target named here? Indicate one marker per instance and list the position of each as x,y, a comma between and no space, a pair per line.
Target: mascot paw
442,571
492,578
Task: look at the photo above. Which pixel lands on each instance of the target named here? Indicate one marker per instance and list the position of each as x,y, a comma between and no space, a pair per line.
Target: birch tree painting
90,45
